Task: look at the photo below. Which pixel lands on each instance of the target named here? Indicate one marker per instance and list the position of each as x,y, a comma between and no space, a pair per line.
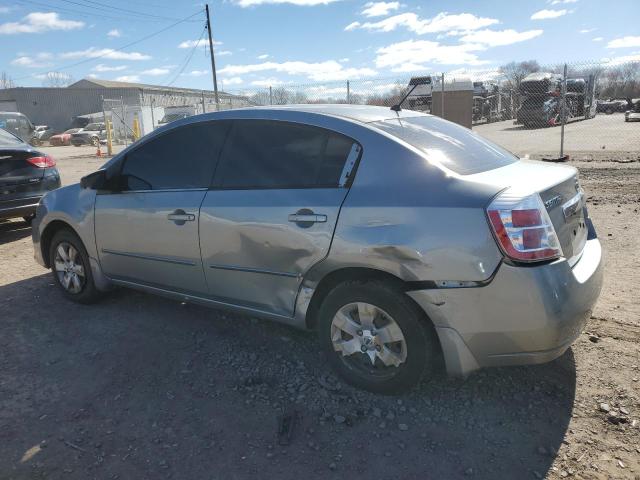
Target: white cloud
379,9
301,3
402,56
193,43
128,78
40,60
224,53
107,53
597,39
344,60
155,72
4,9
614,61
115,33
38,22
546,14
196,73
105,68
587,30
560,2
495,38
320,71
442,22
232,81
624,42
352,26
267,82
264,56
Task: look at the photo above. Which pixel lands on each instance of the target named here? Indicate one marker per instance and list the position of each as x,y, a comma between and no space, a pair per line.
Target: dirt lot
142,387
602,134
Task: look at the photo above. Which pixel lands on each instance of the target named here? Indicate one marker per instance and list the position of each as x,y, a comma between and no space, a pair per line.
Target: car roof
359,113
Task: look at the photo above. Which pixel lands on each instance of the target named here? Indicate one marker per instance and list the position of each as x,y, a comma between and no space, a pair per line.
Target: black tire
88,293
420,338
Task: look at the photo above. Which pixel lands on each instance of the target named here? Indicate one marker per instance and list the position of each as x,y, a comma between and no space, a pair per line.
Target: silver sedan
398,236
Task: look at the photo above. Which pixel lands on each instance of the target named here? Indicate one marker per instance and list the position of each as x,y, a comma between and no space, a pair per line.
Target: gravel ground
603,134
142,387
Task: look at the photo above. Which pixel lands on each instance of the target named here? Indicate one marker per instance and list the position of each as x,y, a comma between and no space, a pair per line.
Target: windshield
7,140
93,127
452,146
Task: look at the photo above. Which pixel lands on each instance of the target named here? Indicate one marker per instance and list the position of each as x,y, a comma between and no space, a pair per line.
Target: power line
130,44
79,13
101,6
187,58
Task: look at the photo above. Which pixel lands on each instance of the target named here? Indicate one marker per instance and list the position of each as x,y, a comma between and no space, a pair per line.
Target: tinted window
268,154
6,139
451,145
181,158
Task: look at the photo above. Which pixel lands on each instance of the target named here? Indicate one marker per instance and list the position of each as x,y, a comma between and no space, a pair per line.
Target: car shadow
141,386
12,230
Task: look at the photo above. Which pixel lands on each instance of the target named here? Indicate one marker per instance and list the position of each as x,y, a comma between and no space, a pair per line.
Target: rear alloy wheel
71,268
375,337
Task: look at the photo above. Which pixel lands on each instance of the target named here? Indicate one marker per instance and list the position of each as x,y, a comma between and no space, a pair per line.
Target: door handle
180,217
307,218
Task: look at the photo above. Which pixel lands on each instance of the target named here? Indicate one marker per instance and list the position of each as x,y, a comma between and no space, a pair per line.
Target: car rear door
147,231
272,211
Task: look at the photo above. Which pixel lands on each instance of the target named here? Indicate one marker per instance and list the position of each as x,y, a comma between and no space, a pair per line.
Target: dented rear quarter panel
413,219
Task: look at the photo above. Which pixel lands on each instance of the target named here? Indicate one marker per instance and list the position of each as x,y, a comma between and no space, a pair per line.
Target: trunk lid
16,173
559,190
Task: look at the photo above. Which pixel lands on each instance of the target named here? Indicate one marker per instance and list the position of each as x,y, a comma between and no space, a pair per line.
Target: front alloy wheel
69,269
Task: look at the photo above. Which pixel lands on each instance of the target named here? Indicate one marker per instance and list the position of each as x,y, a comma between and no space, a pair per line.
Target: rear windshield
7,140
452,146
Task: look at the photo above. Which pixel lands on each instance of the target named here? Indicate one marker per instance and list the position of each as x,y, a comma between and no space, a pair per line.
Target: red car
63,138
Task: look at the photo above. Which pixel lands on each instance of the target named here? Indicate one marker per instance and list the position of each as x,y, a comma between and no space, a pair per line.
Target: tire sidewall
88,293
420,348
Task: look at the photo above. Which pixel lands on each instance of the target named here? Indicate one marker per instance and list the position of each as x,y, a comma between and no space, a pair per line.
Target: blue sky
274,42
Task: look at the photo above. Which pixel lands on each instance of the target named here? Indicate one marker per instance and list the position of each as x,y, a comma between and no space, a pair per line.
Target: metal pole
563,115
153,115
124,122
348,92
270,95
442,94
213,61
204,109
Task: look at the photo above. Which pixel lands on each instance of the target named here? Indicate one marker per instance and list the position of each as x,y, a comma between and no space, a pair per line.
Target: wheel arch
335,277
47,236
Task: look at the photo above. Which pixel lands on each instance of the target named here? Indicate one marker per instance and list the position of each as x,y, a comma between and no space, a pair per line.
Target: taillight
523,228
44,161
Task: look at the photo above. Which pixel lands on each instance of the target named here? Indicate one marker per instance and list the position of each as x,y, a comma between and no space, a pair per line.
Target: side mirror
94,181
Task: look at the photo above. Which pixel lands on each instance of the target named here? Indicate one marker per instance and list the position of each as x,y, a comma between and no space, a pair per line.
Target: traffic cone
98,152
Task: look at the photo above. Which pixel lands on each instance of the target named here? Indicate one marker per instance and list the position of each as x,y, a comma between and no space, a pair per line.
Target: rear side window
182,158
452,146
7,140
272,154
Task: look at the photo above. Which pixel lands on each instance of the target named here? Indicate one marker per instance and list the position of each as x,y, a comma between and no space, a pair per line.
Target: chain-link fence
585,110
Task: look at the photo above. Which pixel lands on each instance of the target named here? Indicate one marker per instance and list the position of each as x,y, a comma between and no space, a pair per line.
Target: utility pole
213,61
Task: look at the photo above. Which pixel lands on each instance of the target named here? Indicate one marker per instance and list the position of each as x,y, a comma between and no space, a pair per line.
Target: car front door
147,230
272,210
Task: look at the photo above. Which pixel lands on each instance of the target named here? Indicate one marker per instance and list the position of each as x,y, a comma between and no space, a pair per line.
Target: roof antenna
414,82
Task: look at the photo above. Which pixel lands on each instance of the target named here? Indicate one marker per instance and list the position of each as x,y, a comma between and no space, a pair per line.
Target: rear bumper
526,315
21,207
